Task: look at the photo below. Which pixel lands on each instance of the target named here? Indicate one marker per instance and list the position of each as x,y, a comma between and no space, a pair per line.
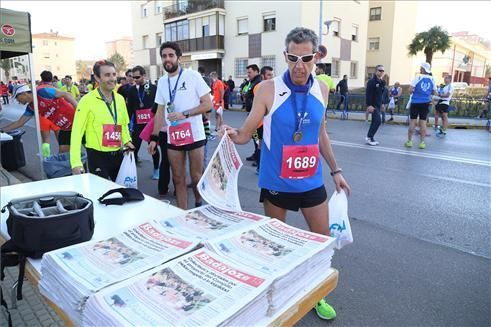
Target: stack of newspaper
209,222
198,289
70,275
293,257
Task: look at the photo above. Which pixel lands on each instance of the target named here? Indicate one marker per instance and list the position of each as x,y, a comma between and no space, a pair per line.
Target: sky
94,22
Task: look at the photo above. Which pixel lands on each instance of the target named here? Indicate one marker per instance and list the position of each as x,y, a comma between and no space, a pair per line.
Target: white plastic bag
392,103
127,176
339,225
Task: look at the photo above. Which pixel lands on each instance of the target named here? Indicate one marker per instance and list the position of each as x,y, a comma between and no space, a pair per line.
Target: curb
451,126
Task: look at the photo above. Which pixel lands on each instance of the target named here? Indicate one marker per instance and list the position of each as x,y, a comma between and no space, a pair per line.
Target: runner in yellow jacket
102,117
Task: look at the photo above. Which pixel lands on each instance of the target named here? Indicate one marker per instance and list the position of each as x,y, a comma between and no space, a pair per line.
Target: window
242,26
354,33
56,43
269,23
240,69
336,25
353,73
45,42
269,61
336,67
46,55
376,13
158,39
205,30
177,31
158,7
144,10
373,43
145,41
369,73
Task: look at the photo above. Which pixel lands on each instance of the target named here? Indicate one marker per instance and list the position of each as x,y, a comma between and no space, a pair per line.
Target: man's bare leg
196,158
273,211
177,160
317,218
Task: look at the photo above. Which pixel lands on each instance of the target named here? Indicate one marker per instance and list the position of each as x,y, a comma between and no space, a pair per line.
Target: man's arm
262,101
370,96
204,106
67,96
326,151
16,124
158,121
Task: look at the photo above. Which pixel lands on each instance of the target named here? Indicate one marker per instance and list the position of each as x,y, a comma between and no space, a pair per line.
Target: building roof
51,36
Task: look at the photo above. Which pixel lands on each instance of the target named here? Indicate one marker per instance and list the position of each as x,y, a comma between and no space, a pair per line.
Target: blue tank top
278,128
423,89
394,92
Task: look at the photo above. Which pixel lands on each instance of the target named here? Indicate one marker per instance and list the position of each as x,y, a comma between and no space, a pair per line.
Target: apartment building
53,52
124,47
227,36
466,60
391,28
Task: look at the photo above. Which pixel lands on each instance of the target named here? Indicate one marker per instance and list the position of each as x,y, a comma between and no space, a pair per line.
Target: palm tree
118,62
431,41
6,65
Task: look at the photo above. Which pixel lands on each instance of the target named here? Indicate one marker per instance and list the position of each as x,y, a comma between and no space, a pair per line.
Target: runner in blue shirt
294,140
422,89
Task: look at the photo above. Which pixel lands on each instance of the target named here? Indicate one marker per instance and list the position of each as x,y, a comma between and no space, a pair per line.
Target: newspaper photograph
198,289
271,246
208,222
218,185
97,264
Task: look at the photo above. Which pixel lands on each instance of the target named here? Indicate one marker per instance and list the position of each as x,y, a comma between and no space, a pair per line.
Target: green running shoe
422,145
324,310
408,144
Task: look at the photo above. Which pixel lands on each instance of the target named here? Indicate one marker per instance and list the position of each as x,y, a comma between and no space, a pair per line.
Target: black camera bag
43,223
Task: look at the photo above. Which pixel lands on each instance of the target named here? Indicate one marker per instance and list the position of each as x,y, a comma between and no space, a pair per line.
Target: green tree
6,65
431,41
118,62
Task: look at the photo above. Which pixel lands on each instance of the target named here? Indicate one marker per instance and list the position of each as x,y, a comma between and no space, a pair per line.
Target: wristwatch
186,113
336,171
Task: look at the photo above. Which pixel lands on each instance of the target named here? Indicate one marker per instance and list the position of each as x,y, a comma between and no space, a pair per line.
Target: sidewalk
459,123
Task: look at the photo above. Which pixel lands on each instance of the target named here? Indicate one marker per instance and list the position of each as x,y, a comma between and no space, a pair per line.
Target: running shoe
408,144
422,145
324,310
211,137
156,174
444,131
372,142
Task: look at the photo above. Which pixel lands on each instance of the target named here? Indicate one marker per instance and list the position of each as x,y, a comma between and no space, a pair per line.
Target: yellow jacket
90,116
74,91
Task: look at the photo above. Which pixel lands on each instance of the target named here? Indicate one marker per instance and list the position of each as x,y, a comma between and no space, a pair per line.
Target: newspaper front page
218,185
98,264
198,289
208,222
271,246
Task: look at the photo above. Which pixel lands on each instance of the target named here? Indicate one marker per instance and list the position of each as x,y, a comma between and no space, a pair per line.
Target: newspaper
97,264
218,185
271,246
208,222
198,289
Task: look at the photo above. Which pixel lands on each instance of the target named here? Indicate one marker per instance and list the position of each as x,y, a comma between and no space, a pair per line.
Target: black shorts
441,108
419,109
64,137
187,147
294,201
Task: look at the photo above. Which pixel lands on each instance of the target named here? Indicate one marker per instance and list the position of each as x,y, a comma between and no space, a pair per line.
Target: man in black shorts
182,97
444,97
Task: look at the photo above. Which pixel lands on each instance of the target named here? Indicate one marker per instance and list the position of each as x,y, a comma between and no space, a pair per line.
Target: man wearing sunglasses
294,139
374,92
141,108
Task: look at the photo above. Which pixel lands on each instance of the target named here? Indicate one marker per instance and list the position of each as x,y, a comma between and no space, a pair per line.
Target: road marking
414,154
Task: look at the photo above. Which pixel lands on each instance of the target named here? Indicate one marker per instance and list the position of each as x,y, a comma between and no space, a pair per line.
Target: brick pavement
32,310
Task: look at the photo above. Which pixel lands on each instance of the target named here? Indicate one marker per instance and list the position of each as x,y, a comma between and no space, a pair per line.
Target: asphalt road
420,219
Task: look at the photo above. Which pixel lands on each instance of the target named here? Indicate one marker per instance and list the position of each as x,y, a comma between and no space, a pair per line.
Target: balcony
192,6
215,42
